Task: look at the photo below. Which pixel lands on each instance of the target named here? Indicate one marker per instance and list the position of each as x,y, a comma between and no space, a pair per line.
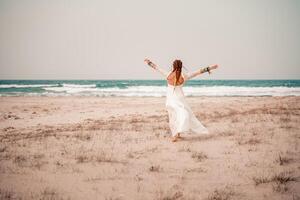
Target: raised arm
154,66
201,71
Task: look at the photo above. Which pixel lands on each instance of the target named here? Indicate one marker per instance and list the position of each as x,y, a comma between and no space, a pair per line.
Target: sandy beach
120,148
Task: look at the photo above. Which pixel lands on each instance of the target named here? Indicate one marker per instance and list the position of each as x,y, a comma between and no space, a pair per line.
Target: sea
148,88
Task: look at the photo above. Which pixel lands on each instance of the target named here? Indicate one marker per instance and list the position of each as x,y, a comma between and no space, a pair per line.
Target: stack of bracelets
206,69
151,64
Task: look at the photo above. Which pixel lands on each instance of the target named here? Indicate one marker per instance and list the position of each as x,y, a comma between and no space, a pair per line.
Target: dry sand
120,148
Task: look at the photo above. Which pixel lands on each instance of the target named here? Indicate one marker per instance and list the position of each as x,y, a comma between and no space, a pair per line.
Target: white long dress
181,117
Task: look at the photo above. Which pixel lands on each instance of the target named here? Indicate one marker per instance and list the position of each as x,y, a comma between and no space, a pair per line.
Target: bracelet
207,69
152,65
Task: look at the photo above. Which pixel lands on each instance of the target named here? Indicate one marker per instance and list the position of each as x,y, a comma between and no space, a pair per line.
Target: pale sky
109,39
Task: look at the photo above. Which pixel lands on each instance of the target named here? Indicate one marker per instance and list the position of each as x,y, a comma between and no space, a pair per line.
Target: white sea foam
26,86
189,91
78,85
241,91
66,89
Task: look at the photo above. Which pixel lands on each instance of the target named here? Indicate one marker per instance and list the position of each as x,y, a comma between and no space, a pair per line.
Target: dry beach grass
119,148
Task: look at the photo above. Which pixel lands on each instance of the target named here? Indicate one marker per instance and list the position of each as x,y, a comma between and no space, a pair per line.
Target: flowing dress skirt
181,117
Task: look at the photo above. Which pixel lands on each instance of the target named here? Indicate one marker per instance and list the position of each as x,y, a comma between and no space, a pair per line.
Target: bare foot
174,139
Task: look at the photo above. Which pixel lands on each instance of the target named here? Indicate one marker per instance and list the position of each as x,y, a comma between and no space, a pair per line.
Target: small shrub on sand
7,194
285,119
199,156
281,178
130,155
83,136
225,193
20,160
104,157
171,195
31,161
82,158
49,194
38,156
154,168
260,179
101,156
281,181
281,188
282,160
3,148
37,161
251,141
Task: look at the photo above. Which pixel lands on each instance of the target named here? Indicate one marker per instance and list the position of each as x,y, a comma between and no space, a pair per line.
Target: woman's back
172,77
175,91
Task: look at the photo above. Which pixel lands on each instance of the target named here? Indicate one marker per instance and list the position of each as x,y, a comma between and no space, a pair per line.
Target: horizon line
134,79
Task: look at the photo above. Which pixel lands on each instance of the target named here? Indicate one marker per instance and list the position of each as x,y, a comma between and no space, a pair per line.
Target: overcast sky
108,39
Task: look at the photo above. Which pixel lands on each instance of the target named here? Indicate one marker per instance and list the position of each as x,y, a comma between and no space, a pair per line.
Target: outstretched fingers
215,66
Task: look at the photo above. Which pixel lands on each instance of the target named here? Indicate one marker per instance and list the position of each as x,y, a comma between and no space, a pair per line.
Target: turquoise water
148,87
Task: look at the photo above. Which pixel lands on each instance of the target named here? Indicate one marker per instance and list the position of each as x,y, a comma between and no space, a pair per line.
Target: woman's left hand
147,61
151,64
213,66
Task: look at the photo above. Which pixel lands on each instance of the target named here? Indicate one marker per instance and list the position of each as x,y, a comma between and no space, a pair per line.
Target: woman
181,117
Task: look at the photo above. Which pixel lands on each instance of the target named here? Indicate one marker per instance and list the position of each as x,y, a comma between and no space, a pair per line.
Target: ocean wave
113,91
66,85
27,86
160,91
241,91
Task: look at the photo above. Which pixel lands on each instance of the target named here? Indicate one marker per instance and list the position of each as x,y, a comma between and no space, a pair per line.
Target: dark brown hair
177,66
